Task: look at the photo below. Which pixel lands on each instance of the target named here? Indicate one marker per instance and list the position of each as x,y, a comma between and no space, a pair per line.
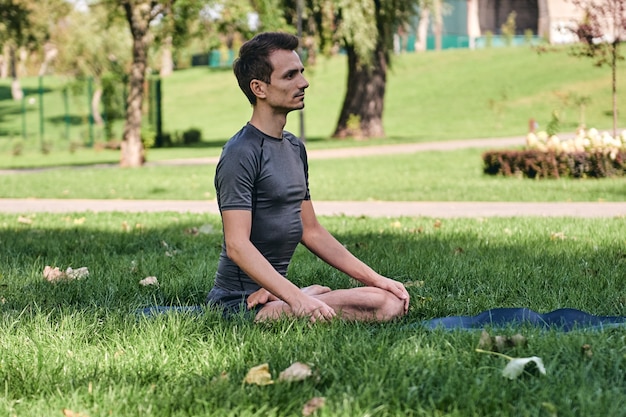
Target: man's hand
307,306
396,288
261,296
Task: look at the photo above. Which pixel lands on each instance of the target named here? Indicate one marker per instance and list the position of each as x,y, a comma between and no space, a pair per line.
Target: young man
263,196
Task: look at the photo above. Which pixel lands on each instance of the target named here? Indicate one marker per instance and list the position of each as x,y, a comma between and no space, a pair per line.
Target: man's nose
303,82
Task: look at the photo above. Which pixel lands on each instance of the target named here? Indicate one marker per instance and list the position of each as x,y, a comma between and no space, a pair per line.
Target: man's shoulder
242,141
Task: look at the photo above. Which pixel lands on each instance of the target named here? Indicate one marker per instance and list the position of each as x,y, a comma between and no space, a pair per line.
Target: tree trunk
167,60
4,61
95,107
614,55
422,30
438,24
362,111
138,16
16,89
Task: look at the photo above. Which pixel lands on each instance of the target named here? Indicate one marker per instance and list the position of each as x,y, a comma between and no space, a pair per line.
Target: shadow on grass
458,273
5,92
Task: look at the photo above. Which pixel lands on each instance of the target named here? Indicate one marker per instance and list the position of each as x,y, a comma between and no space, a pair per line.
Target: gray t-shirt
269,177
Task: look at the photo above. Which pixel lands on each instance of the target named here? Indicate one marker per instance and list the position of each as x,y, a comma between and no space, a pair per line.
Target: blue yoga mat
564,319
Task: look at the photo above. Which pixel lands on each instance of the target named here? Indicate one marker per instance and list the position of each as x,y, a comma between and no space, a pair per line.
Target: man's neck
272,124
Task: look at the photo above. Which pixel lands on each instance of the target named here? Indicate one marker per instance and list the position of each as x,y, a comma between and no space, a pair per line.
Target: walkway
333,208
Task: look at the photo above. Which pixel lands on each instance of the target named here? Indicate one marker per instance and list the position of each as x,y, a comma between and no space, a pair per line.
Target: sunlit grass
80,346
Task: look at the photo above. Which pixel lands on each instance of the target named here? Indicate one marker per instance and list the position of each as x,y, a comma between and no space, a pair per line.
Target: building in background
479,23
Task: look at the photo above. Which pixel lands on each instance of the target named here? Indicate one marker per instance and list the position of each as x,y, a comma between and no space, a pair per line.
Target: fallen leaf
298,371
437,224
78,273
193,231
516,366
149,281
500,343
70,413
557,235
52,274
206,229
415,284
24,220
259,375
485,341
55,274
586,350
313,405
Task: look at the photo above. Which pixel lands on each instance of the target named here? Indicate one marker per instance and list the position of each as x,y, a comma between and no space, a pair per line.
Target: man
262,192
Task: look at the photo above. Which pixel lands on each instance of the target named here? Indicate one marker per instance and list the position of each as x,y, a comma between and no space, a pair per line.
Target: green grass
452,94
424,176
79,345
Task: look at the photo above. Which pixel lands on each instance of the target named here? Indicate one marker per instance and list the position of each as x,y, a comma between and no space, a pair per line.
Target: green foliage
508,28
554,126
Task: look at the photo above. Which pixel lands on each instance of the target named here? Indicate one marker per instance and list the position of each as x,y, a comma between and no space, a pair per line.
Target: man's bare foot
315,289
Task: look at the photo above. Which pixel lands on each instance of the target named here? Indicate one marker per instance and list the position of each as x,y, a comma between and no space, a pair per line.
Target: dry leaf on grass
149,281
516,366
24,220
499,343
56,275
416,284
259,375
313,405
298,371
70,413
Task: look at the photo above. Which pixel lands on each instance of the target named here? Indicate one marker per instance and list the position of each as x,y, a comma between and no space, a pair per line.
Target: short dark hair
253,61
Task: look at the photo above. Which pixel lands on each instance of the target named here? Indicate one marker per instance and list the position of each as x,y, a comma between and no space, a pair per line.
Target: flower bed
590,154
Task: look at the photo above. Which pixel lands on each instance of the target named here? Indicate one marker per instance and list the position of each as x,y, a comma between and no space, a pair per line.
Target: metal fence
56,113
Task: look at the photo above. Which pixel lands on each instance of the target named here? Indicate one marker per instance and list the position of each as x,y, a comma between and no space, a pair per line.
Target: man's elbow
233,250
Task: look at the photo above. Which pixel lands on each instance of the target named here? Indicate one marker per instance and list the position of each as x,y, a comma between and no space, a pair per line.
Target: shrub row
551,164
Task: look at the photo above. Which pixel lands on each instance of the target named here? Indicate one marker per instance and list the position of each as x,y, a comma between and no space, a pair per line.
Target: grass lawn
424,176
79,348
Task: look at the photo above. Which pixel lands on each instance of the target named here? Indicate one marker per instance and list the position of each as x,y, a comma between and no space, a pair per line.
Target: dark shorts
232,303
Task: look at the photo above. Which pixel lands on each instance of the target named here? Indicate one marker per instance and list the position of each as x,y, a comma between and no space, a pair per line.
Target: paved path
332,208
348,208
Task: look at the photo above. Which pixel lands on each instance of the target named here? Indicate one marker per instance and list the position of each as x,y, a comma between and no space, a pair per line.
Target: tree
93,46
14,21
601,31
25,25
365,29
139,15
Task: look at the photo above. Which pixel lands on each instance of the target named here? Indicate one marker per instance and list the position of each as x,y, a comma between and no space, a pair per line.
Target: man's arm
319,241
239,248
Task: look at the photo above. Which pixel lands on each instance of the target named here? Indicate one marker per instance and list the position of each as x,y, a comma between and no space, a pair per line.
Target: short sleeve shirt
269,177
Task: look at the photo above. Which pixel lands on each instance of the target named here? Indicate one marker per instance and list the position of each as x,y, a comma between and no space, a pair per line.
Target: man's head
254,62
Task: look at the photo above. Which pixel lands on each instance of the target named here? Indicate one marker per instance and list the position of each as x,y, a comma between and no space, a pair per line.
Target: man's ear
258,88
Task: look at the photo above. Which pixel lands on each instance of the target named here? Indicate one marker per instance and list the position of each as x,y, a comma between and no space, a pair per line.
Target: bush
192,136
550,164
589,154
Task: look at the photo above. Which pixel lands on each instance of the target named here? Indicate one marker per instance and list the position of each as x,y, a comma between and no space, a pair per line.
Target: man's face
285,92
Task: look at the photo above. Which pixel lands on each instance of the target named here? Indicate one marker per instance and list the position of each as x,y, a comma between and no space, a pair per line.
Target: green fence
54,114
